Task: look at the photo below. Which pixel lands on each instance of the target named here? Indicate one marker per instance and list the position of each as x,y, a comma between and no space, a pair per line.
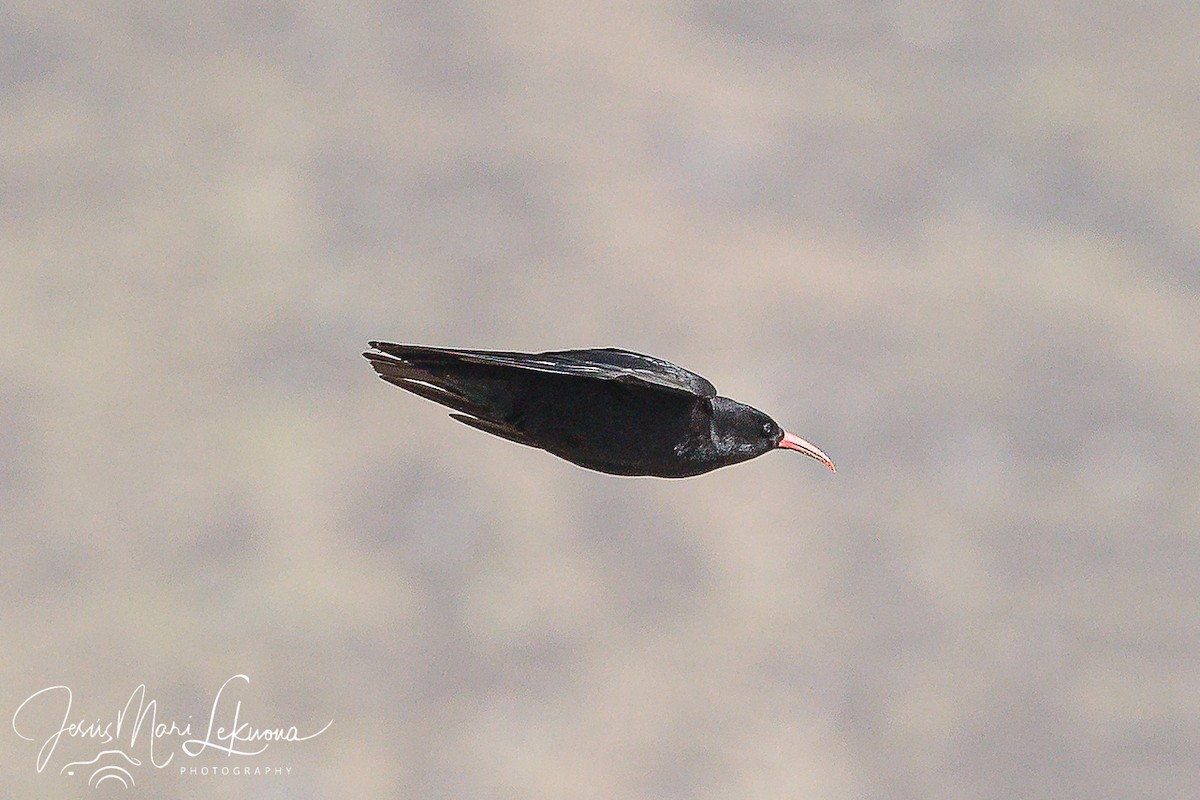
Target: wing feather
609,363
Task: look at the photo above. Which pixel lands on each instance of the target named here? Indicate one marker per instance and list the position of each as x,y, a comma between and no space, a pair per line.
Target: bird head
744,432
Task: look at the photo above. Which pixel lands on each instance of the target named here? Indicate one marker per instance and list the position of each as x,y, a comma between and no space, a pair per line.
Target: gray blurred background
957,245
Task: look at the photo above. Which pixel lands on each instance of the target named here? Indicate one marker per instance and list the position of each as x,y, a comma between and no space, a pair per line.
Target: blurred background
957,245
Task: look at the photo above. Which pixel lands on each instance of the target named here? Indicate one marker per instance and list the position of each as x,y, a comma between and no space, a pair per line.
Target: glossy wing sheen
607,363
623,365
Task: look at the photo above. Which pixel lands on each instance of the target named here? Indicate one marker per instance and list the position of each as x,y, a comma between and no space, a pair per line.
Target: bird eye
766,428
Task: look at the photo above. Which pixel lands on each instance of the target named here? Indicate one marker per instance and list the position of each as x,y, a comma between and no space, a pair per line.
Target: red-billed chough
609,410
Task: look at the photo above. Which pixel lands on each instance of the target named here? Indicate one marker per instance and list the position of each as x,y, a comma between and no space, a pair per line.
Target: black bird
609,410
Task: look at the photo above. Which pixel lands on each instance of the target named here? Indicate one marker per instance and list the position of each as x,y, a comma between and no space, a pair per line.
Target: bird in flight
605,409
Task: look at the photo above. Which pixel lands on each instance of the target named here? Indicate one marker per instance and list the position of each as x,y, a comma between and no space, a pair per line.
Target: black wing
607,363
623,365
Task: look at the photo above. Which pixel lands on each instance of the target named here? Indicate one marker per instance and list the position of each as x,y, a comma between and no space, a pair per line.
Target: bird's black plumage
605,409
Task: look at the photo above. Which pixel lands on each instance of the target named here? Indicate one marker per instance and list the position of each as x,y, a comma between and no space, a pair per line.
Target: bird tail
444,377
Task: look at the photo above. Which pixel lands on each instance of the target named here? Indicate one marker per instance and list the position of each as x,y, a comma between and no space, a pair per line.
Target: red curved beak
791,442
